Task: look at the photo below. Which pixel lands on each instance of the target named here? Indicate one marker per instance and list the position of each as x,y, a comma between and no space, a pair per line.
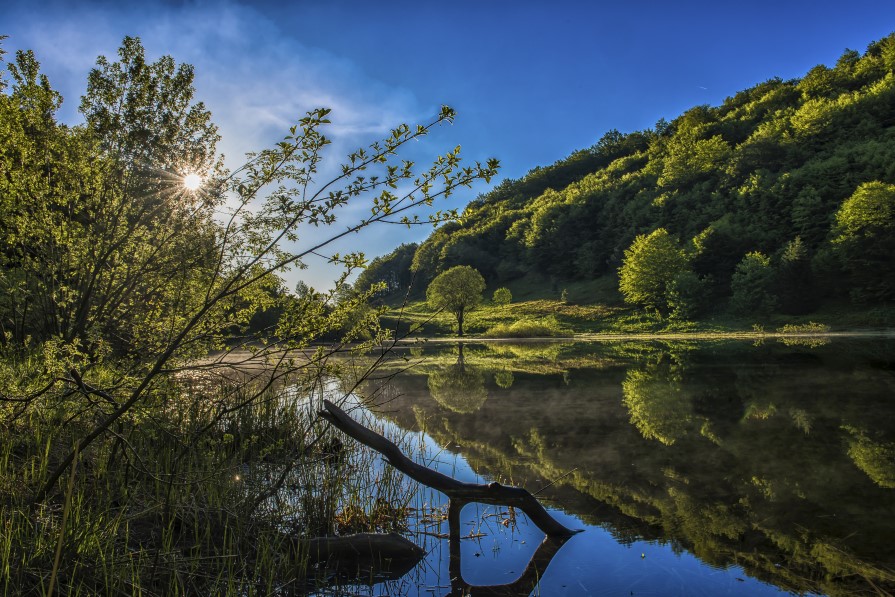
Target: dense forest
781,199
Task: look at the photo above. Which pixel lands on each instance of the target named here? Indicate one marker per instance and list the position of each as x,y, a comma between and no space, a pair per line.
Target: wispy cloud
255,78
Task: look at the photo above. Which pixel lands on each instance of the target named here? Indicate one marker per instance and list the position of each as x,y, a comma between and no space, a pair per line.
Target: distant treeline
783,194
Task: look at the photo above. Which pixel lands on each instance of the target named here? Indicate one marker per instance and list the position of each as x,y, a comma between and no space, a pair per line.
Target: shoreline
608,337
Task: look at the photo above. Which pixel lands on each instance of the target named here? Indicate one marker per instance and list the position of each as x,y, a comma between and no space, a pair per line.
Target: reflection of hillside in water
779,459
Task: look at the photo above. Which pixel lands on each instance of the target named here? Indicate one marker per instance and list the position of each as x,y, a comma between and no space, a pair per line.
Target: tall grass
207,489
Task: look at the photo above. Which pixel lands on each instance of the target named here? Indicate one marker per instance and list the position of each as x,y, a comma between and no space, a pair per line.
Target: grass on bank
206,489
538,310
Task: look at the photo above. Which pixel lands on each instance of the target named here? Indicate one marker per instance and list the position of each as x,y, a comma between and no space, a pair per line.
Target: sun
192,182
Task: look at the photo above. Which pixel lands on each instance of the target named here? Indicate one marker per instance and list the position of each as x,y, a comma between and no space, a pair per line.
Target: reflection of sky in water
593,563
590,563
775,459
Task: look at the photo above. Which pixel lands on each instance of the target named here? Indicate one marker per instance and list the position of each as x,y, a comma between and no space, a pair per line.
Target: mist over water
695,468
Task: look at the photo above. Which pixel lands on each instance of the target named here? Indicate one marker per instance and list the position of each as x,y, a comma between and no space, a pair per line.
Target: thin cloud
256,79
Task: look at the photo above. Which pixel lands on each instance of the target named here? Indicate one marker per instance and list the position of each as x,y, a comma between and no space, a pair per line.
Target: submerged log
363,558
386,546
459,492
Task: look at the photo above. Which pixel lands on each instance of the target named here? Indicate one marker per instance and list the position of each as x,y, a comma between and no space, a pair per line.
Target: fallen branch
459,492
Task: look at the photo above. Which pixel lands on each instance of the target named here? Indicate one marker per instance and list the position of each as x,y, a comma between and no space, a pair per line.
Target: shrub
544,327
502,296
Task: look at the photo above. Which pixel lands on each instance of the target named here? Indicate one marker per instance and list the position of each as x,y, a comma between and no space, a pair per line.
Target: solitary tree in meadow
457,290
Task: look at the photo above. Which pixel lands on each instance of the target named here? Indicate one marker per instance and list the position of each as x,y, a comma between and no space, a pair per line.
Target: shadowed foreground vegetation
157,378
203,490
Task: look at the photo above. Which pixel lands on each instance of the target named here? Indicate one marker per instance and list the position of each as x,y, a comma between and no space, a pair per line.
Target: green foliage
657,404
127,512
771,163
868,213
652,264
393,272
543,327
686,295
459,387
752,286
795,280
458,291
864,238
122,291
143,114
98,248
504,379
804,328
502,296
690,158
875,458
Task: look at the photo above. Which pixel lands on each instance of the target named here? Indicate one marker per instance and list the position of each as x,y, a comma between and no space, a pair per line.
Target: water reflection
458,387
778,459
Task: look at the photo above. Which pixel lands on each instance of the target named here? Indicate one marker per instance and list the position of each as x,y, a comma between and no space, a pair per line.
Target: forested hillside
779,199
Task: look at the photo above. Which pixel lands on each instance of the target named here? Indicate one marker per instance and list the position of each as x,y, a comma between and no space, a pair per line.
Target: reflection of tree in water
459,387
657,403
795,486
875,458
504,379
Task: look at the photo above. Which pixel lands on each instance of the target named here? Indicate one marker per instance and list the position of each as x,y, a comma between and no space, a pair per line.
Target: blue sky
531,81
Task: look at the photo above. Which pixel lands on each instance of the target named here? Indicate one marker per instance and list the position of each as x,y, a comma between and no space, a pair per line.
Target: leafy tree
864,236
391,271
752,285
795,280
651,265
502,296
659,407
504,379
91,226
105,254
144,115
686,295
691,158
876,458
458,291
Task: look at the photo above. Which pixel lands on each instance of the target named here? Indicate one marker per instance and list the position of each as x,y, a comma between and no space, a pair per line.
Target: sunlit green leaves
651,265
457,290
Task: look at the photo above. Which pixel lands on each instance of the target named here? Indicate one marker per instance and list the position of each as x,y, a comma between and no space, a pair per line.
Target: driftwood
460,493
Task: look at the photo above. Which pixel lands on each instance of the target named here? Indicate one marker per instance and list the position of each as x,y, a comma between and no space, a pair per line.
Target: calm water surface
694,468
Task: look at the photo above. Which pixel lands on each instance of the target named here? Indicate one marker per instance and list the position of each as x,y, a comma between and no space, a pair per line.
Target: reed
206,489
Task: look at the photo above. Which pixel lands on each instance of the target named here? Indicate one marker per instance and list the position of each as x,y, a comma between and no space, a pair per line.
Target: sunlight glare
192,182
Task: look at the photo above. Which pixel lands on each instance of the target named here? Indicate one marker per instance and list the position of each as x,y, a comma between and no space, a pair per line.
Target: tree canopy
502,296
770,164
458,291
652,264
109,262
864,236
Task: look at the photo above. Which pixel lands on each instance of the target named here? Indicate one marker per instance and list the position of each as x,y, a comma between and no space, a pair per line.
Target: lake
693,467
